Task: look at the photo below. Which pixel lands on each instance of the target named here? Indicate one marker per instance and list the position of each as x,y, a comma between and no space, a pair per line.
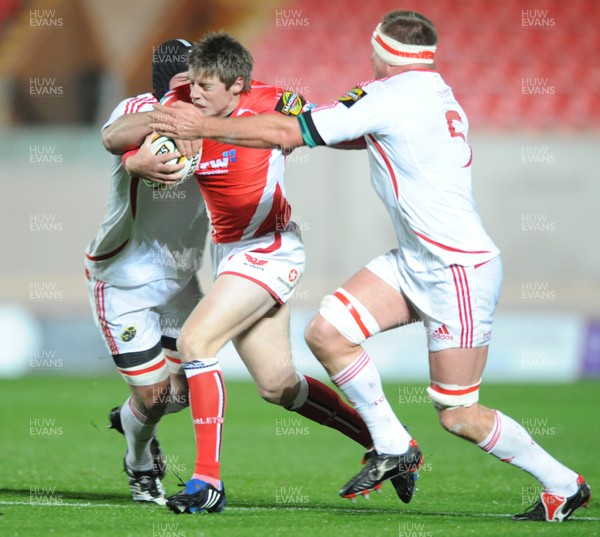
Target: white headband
393,52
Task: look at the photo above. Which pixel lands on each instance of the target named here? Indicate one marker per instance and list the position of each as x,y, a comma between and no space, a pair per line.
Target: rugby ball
161,145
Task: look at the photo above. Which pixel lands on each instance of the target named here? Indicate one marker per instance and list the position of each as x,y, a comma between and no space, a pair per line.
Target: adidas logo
213,497
442,333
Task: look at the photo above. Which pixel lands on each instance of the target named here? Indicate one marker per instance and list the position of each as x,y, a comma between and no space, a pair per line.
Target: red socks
319,403
207,405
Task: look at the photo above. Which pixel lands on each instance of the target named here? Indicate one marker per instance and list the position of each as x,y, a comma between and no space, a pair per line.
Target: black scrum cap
168,60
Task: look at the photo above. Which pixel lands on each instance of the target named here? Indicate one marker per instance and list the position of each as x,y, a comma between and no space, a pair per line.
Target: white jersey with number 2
420,161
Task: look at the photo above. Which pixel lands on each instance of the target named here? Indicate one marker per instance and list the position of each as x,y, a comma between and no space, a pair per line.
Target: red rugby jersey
243,188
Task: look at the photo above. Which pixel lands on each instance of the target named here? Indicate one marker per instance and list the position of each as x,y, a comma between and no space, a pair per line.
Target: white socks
361,384
139,431
511,443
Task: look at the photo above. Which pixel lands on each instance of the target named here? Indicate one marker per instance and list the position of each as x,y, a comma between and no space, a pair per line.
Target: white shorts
455,303
274,261
134,320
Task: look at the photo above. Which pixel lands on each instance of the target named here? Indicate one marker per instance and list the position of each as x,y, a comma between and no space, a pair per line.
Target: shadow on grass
69,495
262,506
355,510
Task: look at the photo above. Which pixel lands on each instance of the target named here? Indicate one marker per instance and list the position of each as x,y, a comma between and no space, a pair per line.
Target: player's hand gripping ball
161,145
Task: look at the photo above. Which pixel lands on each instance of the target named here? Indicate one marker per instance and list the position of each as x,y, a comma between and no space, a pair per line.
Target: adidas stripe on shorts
455,303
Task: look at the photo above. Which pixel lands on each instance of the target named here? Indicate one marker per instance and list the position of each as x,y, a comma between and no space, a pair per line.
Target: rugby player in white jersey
141,270
445,272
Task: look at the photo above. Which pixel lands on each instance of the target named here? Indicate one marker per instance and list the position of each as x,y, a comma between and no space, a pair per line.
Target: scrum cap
168,60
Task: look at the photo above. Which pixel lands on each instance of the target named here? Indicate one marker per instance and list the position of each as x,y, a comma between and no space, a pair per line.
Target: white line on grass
280,508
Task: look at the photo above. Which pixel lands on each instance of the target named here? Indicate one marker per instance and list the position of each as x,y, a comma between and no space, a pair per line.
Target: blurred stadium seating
488,48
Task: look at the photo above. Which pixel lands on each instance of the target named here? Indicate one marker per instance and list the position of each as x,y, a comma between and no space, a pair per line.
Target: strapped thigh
351,319
449,396
143,368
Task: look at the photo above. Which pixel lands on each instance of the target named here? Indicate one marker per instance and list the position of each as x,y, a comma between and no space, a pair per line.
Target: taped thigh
449,396
351,319
143,368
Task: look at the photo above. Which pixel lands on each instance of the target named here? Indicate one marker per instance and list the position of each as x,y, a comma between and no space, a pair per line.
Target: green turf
282,473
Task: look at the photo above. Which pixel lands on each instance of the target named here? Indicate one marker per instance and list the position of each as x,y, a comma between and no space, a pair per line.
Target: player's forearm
262,131
126,133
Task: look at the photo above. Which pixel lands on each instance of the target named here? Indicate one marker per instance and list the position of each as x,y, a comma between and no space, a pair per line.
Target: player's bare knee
320,335
191,346
271,393
152,399
185,345
280,392
454,420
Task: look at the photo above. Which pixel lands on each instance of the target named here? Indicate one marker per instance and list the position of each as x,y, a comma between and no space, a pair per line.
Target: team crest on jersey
290,104
128,334
293,275
256,261
352,96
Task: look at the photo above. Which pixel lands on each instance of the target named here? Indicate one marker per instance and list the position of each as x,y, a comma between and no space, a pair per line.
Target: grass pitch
62,474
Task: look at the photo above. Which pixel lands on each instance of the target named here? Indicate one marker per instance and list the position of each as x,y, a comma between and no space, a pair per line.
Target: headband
393,52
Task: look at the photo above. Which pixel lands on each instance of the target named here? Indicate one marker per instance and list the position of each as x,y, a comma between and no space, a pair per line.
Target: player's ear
238,86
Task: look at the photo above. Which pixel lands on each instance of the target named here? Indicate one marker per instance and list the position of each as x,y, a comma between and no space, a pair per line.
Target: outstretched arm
185,121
